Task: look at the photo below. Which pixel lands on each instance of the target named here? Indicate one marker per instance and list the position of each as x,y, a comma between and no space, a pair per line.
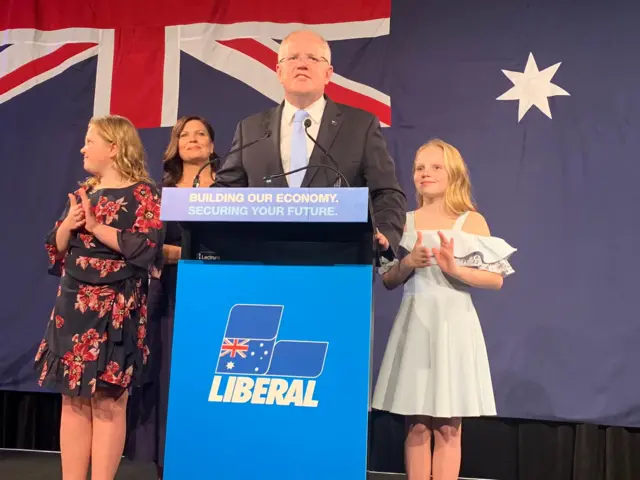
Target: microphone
196,180
379,253
337,183
269,178
307,123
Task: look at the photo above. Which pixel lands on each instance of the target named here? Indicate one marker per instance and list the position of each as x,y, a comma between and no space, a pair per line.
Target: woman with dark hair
191,146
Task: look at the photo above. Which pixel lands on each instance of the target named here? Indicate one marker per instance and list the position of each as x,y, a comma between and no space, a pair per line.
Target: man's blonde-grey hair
327,53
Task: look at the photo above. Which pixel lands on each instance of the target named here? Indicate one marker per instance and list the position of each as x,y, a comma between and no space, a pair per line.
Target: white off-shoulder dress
435,362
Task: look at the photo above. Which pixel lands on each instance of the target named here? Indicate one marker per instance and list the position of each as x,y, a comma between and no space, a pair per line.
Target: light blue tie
298,148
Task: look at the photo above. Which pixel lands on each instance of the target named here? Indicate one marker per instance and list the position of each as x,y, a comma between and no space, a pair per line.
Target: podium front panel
270,372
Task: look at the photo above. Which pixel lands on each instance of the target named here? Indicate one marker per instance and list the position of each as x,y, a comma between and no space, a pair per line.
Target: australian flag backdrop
542,98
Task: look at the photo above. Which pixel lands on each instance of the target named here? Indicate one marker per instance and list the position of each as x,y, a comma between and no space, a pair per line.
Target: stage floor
32,465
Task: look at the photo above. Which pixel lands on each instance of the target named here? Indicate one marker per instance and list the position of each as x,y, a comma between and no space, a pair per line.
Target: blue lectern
270,371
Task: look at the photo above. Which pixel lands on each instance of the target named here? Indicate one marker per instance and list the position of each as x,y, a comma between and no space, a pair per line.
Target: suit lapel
273,154
329,127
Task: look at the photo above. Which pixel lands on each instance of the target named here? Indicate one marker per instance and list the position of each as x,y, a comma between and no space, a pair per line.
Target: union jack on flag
232,348
138,45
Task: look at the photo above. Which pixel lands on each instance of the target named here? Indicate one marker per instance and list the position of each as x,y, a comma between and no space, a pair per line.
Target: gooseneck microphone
307,123
269,178
196,180
339,176
337,183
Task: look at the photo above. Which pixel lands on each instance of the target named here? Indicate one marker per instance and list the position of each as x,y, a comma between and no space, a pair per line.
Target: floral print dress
96,335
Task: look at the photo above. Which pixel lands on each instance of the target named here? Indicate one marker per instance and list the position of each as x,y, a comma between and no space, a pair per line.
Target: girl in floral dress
105,247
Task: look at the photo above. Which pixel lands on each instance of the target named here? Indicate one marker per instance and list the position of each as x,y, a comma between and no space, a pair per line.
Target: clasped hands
80,214
422,256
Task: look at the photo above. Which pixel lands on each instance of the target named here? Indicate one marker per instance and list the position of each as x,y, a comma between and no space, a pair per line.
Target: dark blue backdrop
563,333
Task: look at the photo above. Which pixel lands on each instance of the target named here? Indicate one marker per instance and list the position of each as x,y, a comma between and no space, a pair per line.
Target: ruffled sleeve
141,245
475,251
484,253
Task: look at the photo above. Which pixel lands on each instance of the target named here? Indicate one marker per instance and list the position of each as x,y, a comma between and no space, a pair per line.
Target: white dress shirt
315,111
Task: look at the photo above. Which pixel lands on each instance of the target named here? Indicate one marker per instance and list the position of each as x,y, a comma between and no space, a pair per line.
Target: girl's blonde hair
130,161
457,197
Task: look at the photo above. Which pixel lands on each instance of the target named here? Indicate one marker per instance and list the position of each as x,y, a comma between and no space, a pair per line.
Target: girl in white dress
435,368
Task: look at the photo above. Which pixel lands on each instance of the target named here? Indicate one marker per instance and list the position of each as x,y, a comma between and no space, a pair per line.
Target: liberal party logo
255,366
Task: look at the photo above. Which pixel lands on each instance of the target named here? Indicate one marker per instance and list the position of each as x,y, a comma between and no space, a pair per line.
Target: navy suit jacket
353,139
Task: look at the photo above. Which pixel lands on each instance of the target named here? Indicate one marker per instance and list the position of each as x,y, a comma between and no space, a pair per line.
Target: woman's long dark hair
172,163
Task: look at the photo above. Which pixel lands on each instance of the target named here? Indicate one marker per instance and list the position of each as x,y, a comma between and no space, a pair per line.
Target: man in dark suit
351,136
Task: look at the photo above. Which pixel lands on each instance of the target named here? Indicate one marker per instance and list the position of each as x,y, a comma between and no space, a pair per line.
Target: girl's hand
382,240
75,219
419,256
90,219
444,256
